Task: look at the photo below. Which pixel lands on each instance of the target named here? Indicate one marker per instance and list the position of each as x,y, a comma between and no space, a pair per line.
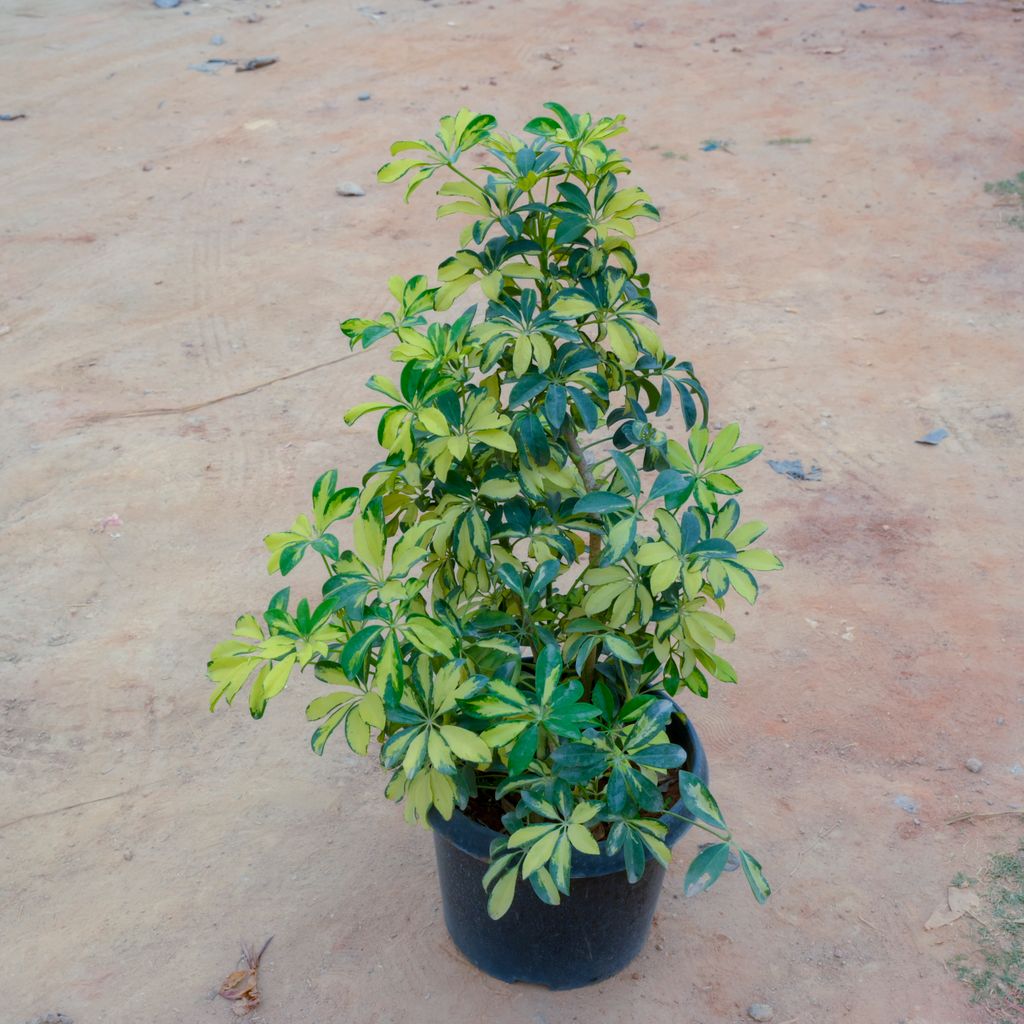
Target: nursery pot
591,935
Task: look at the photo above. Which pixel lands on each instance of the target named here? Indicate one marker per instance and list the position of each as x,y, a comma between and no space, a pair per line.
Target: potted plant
536,568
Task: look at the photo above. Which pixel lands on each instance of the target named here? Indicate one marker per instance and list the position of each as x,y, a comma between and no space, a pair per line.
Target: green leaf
601,503
323,733
579,763
755,877
651,722
540,852
758,560
628,472
545,888
620,539
396,169
705,868
523,751
572,305
368,534
501,896
549,671
465,744
582,840
698,800
622,649
673,483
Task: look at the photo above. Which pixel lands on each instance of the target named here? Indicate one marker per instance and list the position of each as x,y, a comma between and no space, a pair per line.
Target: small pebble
128,855
879,311
217,40
147,166
760,1011
363,96
972,764
904,803
349,188
166,3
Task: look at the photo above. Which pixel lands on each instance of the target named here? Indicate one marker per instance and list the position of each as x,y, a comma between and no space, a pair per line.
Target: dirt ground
175,261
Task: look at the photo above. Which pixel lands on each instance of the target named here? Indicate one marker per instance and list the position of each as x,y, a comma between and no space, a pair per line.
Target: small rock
972,764
760,1011
5,329
364,96
255,63
879,311
217,40
349,188
933,437
148,165
128,855
904,803
1000,720
166,3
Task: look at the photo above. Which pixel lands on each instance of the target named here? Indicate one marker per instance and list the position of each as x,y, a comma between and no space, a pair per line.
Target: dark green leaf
705,868
578,763
628,472
651,722
601,503
672,482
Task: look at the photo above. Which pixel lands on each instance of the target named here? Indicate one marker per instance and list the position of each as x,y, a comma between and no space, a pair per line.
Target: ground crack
177,410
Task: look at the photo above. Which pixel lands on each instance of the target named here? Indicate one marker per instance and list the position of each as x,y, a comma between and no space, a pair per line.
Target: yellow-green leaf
465,744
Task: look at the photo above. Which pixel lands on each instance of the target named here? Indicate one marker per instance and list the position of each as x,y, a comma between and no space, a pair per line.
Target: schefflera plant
536,569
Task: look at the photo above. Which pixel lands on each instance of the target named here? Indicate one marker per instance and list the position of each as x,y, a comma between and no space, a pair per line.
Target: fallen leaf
958,902
963,901
242,987
941,917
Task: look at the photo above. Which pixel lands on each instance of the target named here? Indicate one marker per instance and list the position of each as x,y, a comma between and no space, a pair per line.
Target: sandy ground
175,261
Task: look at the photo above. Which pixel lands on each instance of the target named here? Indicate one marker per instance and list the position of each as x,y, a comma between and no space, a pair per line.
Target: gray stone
760,1011
166,3
364,96
217,40
349,188
904,803
972,764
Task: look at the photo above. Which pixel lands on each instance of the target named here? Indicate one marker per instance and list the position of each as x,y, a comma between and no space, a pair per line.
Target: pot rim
474,839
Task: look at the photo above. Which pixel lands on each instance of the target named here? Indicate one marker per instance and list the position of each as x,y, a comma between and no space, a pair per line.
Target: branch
586,474
579,460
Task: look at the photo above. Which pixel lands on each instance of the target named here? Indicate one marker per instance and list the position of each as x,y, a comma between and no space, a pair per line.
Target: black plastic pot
595,931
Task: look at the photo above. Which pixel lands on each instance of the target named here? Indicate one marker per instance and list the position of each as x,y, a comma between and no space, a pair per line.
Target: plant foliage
537,567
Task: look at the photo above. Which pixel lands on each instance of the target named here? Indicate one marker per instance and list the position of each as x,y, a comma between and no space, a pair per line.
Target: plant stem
707,828
580,462
465,177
